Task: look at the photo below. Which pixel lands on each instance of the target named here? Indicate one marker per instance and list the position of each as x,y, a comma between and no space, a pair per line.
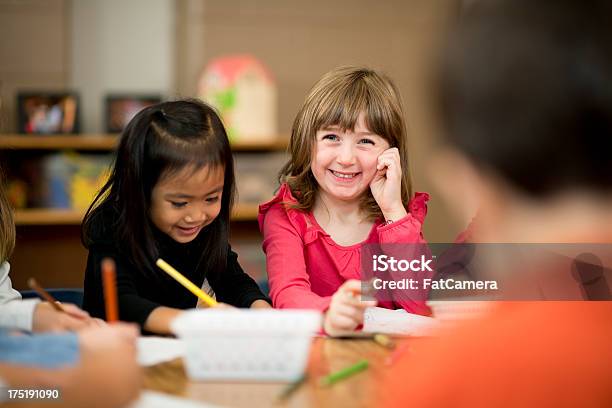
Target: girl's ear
469,190
459,183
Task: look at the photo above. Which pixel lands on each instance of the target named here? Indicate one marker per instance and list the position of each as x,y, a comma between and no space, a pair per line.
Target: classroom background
93,51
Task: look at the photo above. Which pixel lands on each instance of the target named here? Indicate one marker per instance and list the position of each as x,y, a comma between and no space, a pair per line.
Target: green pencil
344,373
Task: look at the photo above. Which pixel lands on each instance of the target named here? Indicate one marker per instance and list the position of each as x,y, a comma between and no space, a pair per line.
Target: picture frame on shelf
121,108
48,112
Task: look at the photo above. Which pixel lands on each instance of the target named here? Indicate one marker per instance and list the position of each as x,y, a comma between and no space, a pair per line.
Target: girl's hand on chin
386,186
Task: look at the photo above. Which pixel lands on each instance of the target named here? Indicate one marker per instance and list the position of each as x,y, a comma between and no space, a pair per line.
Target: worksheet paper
154,399
400,322
155,350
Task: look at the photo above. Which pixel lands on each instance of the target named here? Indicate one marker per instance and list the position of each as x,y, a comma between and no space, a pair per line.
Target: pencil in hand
176,275
45,295
109,281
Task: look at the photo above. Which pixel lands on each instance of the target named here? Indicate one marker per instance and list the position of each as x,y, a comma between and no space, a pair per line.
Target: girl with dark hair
168,196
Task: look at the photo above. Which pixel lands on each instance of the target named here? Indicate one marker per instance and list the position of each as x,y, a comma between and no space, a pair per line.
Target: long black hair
162,140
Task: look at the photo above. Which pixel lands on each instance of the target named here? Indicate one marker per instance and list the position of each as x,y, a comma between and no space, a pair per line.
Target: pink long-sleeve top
306,267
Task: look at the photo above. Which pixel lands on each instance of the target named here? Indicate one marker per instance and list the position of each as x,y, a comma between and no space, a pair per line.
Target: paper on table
379,320
153,399
458,310
155,350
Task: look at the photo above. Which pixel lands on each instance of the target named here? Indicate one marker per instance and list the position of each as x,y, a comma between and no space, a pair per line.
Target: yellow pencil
164,266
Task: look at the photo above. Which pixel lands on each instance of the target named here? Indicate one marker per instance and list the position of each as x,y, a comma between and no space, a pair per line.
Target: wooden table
326,356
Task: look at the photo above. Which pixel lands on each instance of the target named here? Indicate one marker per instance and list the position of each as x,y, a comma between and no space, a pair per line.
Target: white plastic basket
234,344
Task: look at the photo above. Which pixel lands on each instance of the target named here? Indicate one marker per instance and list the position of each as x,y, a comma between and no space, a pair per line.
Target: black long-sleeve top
141,290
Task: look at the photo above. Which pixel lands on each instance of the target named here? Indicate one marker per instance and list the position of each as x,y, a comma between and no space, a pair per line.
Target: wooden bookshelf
48,216
58,142
107,142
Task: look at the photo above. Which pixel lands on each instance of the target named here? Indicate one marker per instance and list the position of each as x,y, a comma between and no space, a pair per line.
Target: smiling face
344,161
182,204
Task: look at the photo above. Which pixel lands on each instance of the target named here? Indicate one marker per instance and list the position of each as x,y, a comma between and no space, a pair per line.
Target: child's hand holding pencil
52,316
346,310
47,319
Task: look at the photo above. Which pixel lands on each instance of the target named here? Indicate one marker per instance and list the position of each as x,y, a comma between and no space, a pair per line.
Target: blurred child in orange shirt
525,98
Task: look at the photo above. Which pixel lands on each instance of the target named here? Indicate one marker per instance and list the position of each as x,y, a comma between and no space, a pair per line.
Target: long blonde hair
7,224
338,99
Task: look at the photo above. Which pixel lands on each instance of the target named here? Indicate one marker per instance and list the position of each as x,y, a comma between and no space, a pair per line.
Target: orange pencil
109,282
45,295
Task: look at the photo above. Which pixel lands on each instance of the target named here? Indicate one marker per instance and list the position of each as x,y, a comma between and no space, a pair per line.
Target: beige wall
120,46
34,52
301,40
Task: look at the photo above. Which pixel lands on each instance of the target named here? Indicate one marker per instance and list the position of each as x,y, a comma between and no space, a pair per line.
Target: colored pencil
293,387
45,295
384,340
109,281
344,373
164,266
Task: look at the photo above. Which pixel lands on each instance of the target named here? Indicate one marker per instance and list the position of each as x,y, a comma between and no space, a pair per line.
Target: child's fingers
353,313
127,331
351,286
95,322
368,303
351,289
67,321
342,322
74,311
221,305
357,302
389,159
384,162
350,293
389,163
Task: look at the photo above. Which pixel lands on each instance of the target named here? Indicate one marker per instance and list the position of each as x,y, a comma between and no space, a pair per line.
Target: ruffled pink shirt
306,267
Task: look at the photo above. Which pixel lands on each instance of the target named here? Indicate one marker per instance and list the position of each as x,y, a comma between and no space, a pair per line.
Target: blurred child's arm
7,293
106,375
14,313
160,318
17,314
44,351
286,265
47,319
260,304
33,315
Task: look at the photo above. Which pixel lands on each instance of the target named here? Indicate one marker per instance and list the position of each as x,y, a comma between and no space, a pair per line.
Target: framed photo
120,109
48,112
